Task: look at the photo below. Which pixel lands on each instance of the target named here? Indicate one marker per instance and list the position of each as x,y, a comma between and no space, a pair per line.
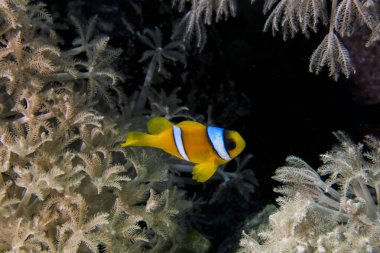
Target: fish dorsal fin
204,171
190,123
158,124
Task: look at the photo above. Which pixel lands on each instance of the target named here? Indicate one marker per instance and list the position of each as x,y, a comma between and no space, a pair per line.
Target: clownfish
206,146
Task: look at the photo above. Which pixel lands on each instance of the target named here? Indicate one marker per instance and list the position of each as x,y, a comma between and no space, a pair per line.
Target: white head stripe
215,135
177,134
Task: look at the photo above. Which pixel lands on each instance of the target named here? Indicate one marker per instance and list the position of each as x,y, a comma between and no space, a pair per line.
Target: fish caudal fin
204,171
137,139
155,126
158,124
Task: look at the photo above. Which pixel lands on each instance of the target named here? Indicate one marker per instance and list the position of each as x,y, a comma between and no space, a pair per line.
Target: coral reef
339,214
65,184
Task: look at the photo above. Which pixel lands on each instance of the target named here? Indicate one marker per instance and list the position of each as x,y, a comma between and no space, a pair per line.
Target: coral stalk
146,86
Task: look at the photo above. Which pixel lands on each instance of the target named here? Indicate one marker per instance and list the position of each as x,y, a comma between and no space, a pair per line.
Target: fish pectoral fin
204,171
137,139
158,124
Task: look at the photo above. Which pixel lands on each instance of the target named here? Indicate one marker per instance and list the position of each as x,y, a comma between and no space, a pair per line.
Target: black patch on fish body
229,143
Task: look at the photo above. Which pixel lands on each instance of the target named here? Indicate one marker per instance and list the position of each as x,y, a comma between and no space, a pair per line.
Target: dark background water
291,111
257,84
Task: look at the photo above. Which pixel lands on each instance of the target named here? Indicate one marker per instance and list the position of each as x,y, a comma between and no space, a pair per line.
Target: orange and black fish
206,146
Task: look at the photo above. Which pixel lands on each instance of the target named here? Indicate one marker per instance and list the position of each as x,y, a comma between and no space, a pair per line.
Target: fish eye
229,144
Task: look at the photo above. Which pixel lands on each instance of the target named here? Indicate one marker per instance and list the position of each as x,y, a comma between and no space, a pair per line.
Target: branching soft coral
341,17
18,236
102,172
167,105
159,55
202,12
339,214
82,229
25,65
24,139
96,67
65,184
124,228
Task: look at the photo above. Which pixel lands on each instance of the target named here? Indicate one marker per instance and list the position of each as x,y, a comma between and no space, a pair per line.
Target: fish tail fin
204,171
138,139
